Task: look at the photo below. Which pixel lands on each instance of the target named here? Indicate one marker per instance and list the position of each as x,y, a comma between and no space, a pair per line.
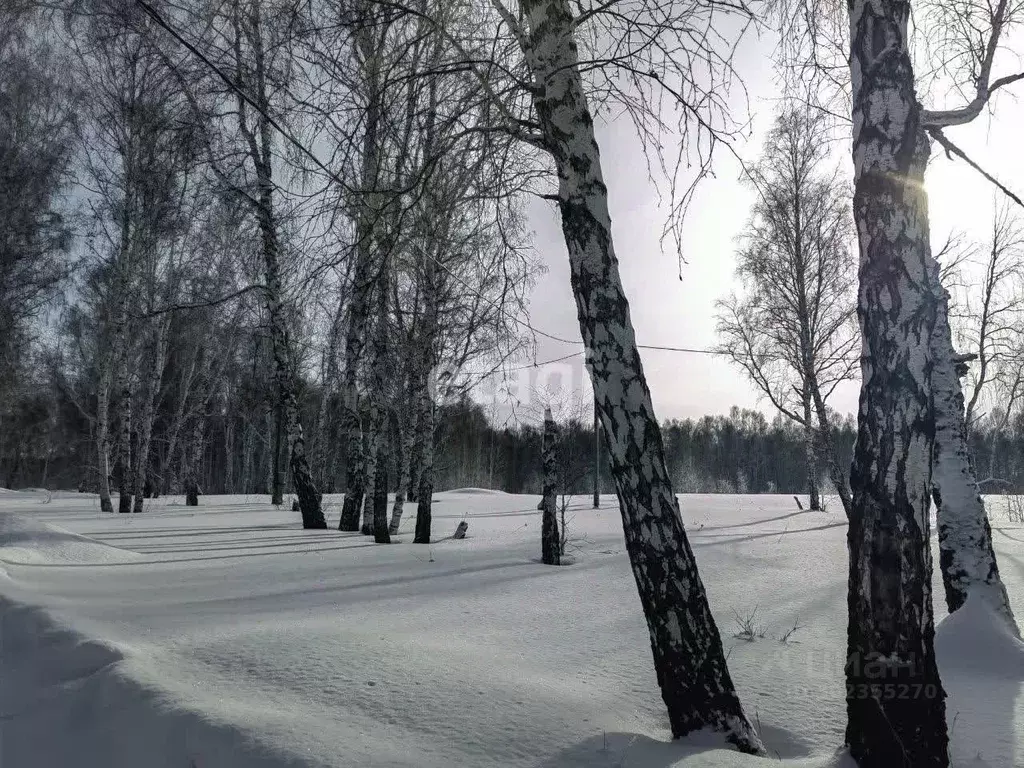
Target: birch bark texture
549,537
891,629
688,655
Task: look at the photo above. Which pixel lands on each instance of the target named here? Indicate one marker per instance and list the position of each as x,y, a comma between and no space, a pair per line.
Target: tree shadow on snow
634,750
155,533
760,521
719,539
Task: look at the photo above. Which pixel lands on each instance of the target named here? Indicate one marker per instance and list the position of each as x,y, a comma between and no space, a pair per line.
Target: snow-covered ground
224,636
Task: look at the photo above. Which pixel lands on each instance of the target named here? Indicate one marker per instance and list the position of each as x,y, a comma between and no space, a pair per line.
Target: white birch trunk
330,380
164,483
889,601
810,454
103,436
966,557
259,141
124,433
404,447
151,394
550,541
688,655
425,490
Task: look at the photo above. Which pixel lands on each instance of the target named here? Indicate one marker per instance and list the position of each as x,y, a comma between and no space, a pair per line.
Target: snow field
226,636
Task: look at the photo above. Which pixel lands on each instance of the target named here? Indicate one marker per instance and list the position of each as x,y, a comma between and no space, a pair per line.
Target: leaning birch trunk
260,143
550,553
151,394
688,655
103,438
305,489
891,629
966,557
403,446
356,473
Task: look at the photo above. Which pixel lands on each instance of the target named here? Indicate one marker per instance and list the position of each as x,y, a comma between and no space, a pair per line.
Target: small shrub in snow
749,629
787,636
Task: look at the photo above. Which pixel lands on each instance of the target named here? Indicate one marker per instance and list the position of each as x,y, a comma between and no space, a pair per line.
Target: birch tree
257,56
411,182
137,150
541,97
911,423
793,331
35,157
987,315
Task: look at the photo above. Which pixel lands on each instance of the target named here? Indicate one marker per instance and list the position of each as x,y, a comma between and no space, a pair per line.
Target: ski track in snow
225,635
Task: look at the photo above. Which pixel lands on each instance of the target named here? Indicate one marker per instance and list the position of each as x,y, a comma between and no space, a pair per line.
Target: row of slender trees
332,191
223,271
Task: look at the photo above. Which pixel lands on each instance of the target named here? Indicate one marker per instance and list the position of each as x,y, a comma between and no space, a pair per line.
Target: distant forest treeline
743,452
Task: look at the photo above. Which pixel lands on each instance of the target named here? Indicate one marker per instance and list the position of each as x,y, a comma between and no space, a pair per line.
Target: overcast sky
668,311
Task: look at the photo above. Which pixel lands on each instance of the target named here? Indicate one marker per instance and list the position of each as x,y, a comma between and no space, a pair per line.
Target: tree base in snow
350,512
423,514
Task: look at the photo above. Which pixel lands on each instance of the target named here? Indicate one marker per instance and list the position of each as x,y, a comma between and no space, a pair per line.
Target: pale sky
670,312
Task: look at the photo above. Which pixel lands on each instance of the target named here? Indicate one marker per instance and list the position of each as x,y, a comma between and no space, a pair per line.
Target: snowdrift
80,702
27,542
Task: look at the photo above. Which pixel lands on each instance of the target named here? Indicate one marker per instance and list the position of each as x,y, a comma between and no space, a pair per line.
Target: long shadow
615,750
486,576
154,533
1004,533
267,543
758,522
264,600
718,540
481,515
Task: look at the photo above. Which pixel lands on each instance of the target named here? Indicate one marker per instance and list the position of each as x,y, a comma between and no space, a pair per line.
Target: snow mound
477,491
976,639
27,542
